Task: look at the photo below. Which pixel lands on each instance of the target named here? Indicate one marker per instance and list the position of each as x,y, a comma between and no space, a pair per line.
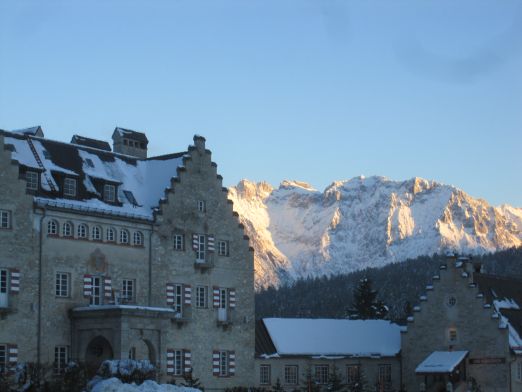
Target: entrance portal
98,350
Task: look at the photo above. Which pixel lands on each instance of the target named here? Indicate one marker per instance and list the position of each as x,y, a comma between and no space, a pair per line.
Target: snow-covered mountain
298,231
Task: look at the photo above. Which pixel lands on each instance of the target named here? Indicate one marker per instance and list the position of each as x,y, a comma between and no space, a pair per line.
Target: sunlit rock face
298,231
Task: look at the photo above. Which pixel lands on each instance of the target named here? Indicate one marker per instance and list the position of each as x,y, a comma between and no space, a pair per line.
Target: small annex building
297,352
466,332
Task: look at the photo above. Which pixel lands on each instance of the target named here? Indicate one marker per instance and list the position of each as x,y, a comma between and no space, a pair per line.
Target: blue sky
315,91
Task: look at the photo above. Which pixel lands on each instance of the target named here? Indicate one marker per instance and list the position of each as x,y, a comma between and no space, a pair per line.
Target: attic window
109,193
125,142
89,162
69,187
46,154
130,197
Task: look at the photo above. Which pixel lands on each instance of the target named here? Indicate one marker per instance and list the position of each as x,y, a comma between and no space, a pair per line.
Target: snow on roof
333,337
441,362
128,307
141,182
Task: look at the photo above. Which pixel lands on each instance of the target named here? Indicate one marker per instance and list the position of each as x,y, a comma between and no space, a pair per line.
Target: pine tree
365,302
189,381
335,383
277,386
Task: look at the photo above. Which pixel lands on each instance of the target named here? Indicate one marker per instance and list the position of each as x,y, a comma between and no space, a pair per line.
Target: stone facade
186,310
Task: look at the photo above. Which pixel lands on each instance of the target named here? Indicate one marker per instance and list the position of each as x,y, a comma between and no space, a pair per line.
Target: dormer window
32,180
69,187
109,193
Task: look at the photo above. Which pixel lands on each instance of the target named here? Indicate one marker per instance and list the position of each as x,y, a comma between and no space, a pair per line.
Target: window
124,237
201,206
5,219
31,178
67,229
109,193
69,187
352,373
453,334
96,233
264,374
223,363
3,289
178,362
291,374
223,296
82,230
60,359
138,238
384,375
132,353
223,248
200,247
201,297
3,358
111,237
519,371
179,242
62,284
178,298
321,374
52,227
127,290
97,291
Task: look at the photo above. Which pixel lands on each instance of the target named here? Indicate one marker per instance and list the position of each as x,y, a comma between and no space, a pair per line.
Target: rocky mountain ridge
297,231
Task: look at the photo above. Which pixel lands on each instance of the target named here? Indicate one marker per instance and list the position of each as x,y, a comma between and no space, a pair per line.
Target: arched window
67,229
52,227
82,230
111,236
124,237
96,233
138,238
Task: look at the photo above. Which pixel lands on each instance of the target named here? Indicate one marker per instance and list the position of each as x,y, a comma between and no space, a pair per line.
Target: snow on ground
329,337
115,385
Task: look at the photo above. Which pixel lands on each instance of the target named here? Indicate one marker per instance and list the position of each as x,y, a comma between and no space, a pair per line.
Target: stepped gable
140,182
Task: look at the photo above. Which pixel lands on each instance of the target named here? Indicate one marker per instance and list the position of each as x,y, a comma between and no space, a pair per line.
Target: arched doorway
142,349
98,350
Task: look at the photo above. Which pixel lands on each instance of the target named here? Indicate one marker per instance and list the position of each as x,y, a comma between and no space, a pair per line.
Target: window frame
321,374
99,231
350,376
265,377
201,251
59,291
136,235
61,359
200,296
5,216
32,184
109,193
70,233
202,206
179,242
70,187
110,234
177,360
224,368
124,233
294,374
53,228
384,373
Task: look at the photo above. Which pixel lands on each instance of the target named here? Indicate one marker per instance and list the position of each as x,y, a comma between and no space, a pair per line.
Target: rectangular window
62,284
132,353
178,298
3,357
201,206
352,373
291,375
453,335
3,289
31,178
5,219
321,374
223,363
127,290
223,248
384,375
97,291
69,187
201,297
178,362
223,296
60,359
179,242
200,250
109,193
264,375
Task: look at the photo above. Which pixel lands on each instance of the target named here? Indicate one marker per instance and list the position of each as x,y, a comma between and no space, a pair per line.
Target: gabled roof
441,362
505,294
33,131
146,179
130,134
333,337
85,141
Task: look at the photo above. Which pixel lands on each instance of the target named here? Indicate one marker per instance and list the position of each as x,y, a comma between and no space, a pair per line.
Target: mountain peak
289,184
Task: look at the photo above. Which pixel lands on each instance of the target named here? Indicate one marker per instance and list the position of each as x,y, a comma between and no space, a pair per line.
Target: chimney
129,142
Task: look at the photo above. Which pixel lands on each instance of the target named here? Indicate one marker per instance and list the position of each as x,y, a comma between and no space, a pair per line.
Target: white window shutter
15,280
232,363
232,298
211,243
187,361
87,286
187,294
195,241
107,287
170,294
215,296
12,356
170,361
215,363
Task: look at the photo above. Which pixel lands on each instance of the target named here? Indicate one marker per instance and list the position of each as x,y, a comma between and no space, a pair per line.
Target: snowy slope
298,231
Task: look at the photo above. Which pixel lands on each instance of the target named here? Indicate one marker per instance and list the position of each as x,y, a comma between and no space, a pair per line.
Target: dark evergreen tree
365,302
190,381
335,382
278,387
360,384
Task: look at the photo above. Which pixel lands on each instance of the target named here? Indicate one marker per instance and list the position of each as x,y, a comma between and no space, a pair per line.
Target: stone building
295,353
112,254
465,331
